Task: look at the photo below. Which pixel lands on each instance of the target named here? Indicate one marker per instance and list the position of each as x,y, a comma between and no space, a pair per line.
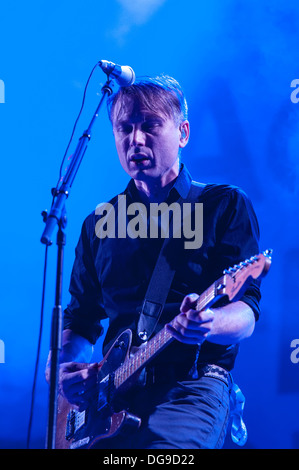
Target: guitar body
100,421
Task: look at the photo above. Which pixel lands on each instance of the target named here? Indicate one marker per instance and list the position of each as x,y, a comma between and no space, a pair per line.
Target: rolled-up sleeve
238,235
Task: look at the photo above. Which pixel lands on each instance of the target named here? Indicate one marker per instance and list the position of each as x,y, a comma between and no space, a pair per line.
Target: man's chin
146,175
142,171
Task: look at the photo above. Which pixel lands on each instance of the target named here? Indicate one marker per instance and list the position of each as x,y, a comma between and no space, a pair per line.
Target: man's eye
148,126
125,129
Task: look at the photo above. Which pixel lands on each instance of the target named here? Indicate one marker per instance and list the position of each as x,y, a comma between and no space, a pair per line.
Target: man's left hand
191,326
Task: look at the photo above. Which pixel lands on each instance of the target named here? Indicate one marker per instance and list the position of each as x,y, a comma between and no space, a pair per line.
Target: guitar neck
143,355
162,339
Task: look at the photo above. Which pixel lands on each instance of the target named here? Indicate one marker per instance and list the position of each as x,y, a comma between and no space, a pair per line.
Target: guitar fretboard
144,354
150,349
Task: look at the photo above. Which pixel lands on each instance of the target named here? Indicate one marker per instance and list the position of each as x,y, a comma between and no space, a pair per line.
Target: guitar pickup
75,421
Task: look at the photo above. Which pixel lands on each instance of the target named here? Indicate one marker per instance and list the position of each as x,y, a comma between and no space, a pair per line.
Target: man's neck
157,189
153,192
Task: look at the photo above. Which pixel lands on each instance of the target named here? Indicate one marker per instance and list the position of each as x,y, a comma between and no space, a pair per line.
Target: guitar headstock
236,278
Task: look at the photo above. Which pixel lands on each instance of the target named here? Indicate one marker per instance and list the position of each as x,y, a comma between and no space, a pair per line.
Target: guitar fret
206,298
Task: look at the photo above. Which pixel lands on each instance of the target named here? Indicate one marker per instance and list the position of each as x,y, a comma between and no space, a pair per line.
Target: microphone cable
75,125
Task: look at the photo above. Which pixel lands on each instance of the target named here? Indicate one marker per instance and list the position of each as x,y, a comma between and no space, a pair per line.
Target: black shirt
110,275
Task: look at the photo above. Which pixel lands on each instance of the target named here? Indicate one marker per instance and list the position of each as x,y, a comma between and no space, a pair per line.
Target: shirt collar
183,182
180,188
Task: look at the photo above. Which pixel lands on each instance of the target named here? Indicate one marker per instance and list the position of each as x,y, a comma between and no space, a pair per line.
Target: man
181,403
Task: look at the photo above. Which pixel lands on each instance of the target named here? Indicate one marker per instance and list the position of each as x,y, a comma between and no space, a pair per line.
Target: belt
167,373
211,370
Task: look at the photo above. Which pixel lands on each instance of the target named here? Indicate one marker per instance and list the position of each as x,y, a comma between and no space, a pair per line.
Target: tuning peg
243,264
268,253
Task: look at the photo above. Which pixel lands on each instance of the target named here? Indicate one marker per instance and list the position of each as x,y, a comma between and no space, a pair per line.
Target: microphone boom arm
62,193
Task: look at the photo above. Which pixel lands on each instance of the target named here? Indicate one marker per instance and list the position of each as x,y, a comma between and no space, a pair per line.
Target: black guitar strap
161,279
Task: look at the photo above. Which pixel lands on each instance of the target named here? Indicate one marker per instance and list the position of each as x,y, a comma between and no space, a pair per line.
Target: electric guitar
120,367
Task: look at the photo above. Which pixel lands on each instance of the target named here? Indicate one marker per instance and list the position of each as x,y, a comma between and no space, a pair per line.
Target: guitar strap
161,279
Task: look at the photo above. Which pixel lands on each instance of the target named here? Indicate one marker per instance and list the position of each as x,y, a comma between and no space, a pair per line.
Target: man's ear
185,133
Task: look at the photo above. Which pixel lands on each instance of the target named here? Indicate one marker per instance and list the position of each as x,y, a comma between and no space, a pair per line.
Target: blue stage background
236,61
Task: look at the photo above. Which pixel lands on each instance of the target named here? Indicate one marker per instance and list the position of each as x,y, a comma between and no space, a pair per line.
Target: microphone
123,74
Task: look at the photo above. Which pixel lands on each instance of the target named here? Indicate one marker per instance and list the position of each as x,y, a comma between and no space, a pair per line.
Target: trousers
190,414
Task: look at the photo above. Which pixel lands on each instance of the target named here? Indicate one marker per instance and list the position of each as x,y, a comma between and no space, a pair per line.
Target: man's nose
137,136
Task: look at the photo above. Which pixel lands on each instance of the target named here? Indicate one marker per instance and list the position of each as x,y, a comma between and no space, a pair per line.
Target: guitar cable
38,350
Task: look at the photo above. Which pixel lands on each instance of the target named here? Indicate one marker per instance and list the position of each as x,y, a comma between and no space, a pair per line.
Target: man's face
147,143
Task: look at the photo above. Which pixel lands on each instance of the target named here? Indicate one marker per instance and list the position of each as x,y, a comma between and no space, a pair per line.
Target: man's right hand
77,377
78,383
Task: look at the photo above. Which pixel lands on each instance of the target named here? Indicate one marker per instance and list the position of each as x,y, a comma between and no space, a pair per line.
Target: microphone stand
57,216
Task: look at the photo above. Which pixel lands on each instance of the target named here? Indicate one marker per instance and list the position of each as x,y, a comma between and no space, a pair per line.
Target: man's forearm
75,348
232,323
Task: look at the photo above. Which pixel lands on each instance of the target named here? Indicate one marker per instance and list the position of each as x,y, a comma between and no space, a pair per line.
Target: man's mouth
139,158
